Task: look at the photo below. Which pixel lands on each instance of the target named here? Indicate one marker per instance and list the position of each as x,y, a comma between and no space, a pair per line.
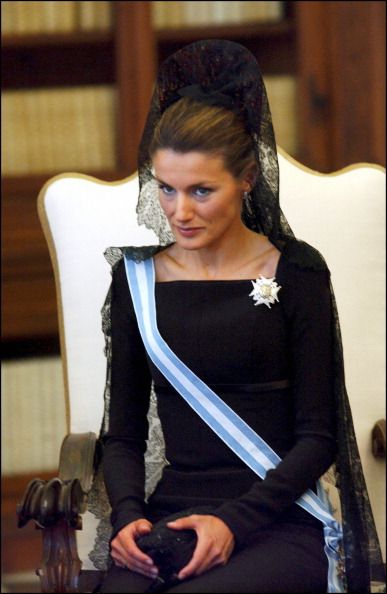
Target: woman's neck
245,257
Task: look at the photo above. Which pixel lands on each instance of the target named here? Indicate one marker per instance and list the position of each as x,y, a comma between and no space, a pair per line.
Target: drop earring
247,201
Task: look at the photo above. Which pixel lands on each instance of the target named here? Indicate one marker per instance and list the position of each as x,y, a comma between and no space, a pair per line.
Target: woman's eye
167,190
202,192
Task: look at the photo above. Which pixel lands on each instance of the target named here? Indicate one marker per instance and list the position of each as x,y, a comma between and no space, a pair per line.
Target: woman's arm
125,440
306,300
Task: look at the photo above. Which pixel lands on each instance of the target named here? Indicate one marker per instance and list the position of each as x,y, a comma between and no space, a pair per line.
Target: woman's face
201,199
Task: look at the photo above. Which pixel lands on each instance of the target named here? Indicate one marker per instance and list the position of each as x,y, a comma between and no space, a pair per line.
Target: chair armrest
78,458
63,497
50,502
56,506
379,439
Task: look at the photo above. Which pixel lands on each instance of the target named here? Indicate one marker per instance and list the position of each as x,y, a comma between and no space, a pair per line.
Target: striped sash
237,434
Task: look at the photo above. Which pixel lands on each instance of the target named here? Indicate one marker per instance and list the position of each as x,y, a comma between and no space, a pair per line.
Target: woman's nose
183,211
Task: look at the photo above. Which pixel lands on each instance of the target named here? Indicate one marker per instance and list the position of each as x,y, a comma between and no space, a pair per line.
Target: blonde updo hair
190,125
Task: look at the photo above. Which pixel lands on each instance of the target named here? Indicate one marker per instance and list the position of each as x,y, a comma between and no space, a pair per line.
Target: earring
247,201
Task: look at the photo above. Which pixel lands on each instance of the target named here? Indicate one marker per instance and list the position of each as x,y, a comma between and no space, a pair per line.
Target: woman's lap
282,559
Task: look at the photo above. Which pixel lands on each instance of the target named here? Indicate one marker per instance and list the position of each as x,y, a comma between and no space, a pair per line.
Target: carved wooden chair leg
55,506
61,566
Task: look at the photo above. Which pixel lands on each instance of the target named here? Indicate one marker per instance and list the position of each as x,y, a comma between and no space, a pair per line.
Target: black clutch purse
170,549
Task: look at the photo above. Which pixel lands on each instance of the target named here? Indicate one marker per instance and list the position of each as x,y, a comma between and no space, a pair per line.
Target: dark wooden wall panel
29,309
342,79
28,288
336,50
357,44
21,548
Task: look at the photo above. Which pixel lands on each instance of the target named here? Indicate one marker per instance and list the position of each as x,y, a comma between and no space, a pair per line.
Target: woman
250,310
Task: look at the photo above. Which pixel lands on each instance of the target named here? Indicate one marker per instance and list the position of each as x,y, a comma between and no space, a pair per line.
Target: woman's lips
188,231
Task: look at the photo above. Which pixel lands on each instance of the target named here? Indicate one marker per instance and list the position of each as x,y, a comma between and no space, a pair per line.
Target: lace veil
220,72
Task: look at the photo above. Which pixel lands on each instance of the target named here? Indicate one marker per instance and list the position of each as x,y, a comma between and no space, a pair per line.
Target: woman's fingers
214,546
126,553
135,562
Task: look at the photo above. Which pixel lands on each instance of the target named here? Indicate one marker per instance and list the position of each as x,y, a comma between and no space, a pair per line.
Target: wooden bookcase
331,76
124,57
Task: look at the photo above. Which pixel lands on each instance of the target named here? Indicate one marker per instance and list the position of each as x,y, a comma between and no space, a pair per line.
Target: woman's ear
250,176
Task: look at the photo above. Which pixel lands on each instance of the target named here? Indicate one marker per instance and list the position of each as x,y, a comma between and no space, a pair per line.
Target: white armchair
341,214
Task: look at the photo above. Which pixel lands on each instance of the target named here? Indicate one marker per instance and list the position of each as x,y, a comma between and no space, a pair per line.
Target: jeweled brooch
265,291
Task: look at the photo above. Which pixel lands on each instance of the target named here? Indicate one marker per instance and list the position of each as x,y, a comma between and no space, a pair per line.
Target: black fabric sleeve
125,440
305,297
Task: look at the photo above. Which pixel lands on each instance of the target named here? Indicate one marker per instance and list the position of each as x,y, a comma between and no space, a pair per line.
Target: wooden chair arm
56,506
53,501
379,439
79,455
63,497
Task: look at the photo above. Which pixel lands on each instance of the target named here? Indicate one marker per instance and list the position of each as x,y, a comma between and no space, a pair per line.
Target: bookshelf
54,60
84,58
304,44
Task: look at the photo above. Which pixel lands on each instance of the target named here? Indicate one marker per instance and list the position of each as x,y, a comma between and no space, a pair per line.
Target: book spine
189,13
9,131
173,14
158,13
29,17
103,20
196,13
203,13
65,16
86,15
105,140
49,21
83,128
56,129
49,128
32,131
282,95
38,17
275,11
8,17
218,12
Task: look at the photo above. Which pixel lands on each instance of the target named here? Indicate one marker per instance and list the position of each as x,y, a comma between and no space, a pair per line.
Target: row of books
32,395
53,16
201,13
74,128
23,17
58,129
282,95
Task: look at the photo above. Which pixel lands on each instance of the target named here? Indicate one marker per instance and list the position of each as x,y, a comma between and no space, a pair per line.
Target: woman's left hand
214,546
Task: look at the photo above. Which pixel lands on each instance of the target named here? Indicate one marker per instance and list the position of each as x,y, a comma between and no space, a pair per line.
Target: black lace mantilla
225,73
216,71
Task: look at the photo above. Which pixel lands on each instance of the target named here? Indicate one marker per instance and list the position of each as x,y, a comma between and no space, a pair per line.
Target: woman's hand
125,552
214,546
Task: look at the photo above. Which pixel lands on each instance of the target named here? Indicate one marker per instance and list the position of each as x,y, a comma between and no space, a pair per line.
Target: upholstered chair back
341,214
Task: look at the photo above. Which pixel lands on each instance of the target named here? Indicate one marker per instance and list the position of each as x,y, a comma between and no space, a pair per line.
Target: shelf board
31,40
57,60
273,44
283,28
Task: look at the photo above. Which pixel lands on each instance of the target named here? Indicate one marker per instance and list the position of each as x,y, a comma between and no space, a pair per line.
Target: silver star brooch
265,291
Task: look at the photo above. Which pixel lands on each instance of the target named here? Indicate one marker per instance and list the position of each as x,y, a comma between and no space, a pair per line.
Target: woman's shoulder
302,270
115,255
297,255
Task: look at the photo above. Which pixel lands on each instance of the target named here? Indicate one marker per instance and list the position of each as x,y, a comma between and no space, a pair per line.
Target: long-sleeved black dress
273,366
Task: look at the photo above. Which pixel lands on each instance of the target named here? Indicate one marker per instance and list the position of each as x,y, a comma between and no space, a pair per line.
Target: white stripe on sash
237,434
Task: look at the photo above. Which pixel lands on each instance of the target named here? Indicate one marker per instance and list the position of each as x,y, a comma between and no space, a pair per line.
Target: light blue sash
239,436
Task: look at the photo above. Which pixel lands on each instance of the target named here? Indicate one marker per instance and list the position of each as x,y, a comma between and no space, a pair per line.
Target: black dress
273,366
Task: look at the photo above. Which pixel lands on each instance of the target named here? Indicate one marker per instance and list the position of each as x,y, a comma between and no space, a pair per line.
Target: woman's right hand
125,552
